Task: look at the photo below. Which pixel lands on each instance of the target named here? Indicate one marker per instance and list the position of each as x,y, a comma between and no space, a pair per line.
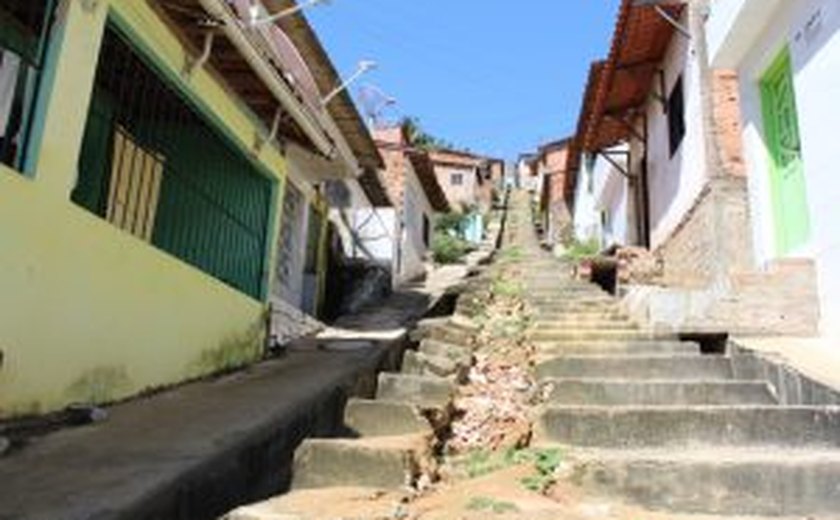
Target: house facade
554,211
460,175
147,169
411,183
677,121
601,198
786,55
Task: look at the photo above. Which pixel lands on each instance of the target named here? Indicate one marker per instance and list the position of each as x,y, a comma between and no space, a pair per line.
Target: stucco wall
675,182
810,28
90,313
462,195
413,248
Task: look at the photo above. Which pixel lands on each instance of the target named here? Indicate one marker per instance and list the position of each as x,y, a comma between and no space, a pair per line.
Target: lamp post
258,17
364,67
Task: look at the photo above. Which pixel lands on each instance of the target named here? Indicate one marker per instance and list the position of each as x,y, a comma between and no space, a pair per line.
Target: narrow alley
540,398
419,260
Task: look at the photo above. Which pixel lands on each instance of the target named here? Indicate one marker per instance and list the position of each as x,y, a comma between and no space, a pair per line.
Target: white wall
586,217
612,199
413,249
812,30
609,194
675,182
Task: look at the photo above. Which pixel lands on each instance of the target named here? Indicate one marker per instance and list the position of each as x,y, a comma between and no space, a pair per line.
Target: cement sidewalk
198,451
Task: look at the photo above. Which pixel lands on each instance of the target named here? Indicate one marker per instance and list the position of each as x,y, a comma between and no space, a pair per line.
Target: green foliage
579,250
482,462
546,463
510,255
506,288
491,505
448,249
419,138
450,222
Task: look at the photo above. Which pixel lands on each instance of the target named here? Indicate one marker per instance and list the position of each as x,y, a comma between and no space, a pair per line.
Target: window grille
457,179
24,26
153,166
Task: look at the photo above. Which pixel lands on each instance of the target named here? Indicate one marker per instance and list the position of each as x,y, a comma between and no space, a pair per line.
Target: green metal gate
152,165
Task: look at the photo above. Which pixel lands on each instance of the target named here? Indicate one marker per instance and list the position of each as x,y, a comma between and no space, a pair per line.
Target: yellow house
147,148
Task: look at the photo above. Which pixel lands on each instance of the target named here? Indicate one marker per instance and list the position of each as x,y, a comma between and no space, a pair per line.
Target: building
410,180
462,177
676,120
554,211
527,174
786,55
161,187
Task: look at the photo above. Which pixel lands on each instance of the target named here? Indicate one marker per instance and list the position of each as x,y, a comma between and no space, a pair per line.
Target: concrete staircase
650,417
392,438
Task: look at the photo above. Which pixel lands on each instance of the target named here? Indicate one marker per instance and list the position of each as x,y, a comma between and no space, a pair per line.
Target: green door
787,174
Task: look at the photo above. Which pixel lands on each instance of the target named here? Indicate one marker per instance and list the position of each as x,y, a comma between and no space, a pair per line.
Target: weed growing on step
506,288
491,505
546,462
510,255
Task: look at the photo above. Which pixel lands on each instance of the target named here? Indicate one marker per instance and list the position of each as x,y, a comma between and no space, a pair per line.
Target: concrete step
598,348
666,366
422,364
596,335
581,315
630,427
575,307
426,392
652,392
584,325
368,418
377,462
462,356
558,299
763,481
566,319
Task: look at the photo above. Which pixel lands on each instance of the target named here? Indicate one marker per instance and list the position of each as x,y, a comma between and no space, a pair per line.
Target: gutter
312,127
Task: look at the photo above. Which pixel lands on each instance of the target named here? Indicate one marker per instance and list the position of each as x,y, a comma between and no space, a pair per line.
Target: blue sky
494,76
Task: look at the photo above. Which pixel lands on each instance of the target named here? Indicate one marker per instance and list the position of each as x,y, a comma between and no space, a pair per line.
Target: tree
419,138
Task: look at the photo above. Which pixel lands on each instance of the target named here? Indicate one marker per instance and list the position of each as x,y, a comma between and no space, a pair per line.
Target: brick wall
390,142
693,256
727,117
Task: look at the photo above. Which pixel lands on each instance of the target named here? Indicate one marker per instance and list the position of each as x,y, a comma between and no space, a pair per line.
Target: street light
258,18
364,67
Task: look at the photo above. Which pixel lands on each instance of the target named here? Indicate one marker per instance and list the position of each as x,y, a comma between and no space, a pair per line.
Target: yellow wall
88,312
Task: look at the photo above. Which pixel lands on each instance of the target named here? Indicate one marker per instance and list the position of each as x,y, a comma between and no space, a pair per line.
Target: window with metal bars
152,165
24,28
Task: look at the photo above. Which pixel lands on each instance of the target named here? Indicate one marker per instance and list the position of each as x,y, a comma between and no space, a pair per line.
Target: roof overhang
425,171
243,60
346,122
624,82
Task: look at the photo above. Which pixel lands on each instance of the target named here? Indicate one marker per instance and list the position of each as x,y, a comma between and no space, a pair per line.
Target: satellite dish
282,52
374,102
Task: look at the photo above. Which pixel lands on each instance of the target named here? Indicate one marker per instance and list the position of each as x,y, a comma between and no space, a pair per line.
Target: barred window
154,166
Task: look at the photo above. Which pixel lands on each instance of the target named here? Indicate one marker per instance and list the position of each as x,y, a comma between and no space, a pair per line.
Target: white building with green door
787,55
